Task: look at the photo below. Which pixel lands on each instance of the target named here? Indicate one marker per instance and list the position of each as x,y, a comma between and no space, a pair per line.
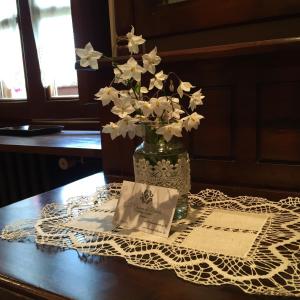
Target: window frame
90,23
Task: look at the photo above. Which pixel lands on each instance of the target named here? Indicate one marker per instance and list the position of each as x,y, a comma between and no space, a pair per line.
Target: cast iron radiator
22,175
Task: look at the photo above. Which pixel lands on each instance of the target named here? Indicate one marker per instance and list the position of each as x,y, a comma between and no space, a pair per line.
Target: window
53,31
12,80
38,80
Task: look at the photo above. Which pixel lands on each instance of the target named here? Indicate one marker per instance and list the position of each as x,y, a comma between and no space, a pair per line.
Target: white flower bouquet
157,100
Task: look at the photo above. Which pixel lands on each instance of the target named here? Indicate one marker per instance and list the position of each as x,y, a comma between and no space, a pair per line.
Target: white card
146,208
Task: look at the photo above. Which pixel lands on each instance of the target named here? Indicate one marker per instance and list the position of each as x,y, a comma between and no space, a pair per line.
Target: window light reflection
84,187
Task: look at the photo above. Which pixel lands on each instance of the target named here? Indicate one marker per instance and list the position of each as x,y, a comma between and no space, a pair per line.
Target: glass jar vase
161,163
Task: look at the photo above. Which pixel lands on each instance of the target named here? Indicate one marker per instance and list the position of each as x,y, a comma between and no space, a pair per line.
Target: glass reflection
85,187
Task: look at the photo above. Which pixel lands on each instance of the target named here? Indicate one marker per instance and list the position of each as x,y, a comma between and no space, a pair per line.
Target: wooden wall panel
218,123
279,122
245,56
154,19
242,144
198,23
280,146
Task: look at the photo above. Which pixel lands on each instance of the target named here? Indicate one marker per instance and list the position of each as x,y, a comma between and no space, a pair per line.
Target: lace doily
244,241
164,173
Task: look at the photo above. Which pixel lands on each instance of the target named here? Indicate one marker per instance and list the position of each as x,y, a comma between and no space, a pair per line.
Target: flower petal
88,47
84,62
81,52
93,63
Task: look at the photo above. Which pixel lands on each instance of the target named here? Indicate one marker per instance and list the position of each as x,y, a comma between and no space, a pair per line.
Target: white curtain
53,30
12,82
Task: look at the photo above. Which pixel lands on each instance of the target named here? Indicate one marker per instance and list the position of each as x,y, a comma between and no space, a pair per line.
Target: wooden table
67,142
28,272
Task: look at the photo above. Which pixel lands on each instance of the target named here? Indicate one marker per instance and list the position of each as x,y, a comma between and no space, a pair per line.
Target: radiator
21,176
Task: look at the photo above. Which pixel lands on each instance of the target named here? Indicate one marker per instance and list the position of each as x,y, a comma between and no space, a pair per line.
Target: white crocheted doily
244,241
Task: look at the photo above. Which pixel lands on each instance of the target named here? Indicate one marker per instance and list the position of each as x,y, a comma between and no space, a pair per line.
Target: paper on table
146,208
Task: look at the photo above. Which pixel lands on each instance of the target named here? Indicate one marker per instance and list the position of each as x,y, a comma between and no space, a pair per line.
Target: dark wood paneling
247,87
124,15
199,23
280,145
219,124
154,20
279,121
251,32
117,155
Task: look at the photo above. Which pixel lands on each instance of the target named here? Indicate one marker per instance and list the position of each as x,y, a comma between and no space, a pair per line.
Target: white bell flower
166,103
184,86
118,76
170,130
176,113
131,70
157,81
121,74
106,95
113,129
122,108
145,107
134,41
144,90
127,125
132,133
175,103
139,131
127,95
150,60
163,108
88,56
196,99
160,105
191,121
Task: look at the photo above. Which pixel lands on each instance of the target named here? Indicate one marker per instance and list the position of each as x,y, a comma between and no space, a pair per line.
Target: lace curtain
53,31
12,82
